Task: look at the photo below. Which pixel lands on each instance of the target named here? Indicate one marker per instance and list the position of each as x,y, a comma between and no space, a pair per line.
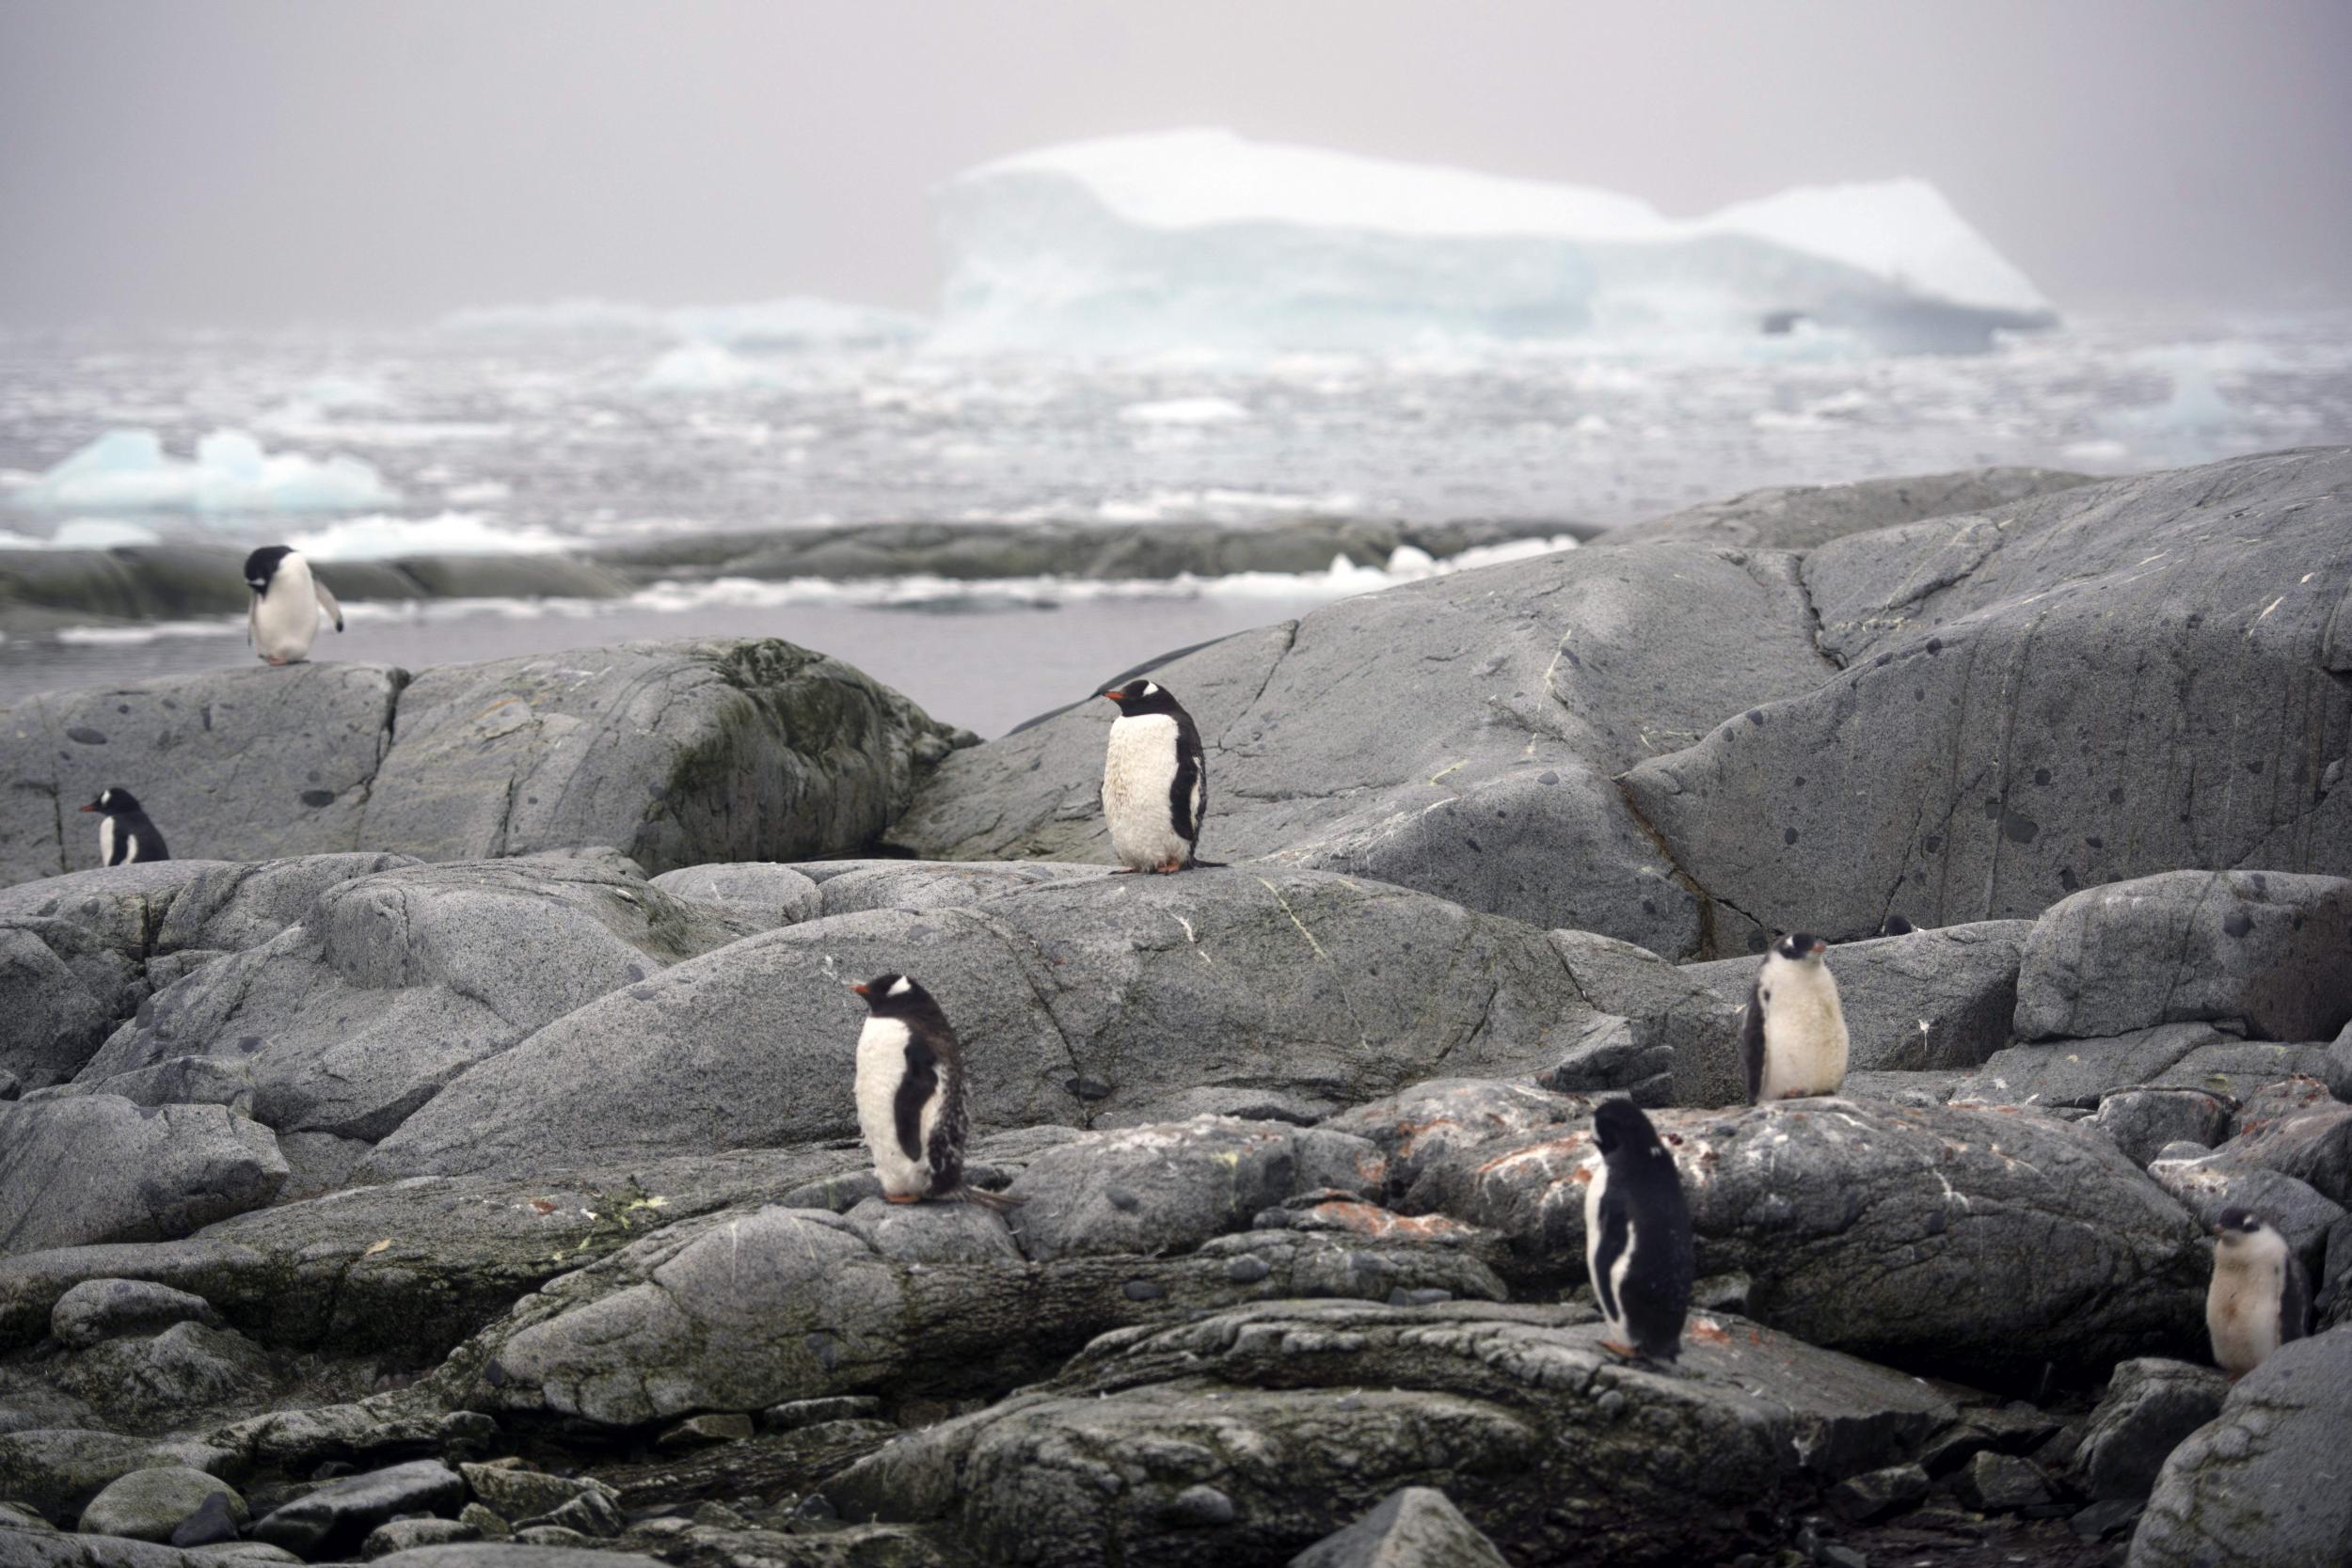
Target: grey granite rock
2301,1133
151,1504
1537,683
1894,1233
58,1470
339,1517
97,1309
1806,516
764,895
2142,1121
515,1494
160,1383
400,1535
1418,1125
99,1168
2261,1485
2149,1407
2130,677
2082,1074
2207,1183
1415,1526
2267,951
1305,1415
1074,999
392,984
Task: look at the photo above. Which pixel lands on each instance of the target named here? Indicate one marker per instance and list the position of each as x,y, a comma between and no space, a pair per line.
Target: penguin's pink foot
1125,871
1615,1349
1168,868
901,1197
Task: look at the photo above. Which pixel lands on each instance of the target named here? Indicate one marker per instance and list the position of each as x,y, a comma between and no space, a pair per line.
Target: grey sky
257,160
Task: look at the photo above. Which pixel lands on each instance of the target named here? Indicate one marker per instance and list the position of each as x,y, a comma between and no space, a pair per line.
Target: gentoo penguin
1155,780
1896,925
1793,1036
124,833
1637,1235
283,620
911,1101
2259,1298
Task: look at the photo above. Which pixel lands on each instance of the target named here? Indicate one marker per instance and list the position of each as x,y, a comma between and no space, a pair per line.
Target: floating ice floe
83,533
451,533
128,470
796,322
705,368
1189,238
1183,411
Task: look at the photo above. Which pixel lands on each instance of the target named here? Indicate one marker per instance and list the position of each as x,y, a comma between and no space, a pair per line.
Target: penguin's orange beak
859,987
92,806
1111,696
1820,947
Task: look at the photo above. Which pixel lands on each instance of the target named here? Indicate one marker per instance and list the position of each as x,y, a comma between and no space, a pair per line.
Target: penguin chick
2260,1297
1637,1236
283,619
124,833
1155,780
1793,1035
910,1100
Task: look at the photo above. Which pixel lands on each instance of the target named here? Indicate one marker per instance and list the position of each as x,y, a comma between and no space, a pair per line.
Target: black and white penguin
911,1099
2260,1297
124,833
1793,1035
1155,780
1637,1235
283,619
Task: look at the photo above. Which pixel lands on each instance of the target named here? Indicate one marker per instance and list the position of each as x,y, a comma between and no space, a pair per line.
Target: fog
253,162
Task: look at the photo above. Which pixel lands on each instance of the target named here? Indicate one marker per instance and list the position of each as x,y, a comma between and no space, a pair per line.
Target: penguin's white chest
286,619
2242,1311
105,841
881,1066
1804,1032
1139,773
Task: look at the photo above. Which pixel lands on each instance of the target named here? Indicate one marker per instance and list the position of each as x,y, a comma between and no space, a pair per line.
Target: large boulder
2136,676
1074,999
1417,1527
98,1169
2269,953
1532,687
1930,999
392,984
2150,1405
1250,1435
1974,1244
1806,517
2263,1485
676,753
58,1470
232,764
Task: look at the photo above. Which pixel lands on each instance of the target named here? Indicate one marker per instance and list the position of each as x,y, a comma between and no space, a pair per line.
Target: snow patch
1180,411
381,538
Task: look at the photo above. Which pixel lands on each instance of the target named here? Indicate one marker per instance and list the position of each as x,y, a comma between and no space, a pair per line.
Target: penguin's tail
1197,864
995,1203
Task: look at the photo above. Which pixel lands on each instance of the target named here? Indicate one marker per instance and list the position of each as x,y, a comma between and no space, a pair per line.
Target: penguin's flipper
2294,1302
1188,791
1752,1040
1616,1234
326,602
915,1092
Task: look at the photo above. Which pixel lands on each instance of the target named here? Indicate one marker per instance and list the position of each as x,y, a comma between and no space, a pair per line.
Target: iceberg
797,322
128,470
1185,239
385,538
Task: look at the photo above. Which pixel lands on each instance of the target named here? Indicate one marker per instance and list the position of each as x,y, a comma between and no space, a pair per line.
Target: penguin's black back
1643,1202
150,841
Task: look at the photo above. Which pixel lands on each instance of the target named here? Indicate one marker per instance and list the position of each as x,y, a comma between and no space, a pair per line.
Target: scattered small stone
1248,1271
521,1495
591,1513
1876,1495
399,1535
1143,1290
815,1509
795,1413
702,1432
2002,1483
1271,1219
1427,1296
339,1515
2150,1406
215,1519
1830,1553
1611,1404
2103,1519
100,1309
490,1525
151,1504
1199,1507
551,1535
719,1516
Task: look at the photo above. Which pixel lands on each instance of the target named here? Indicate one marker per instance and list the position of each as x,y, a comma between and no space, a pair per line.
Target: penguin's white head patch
1149,690
900,987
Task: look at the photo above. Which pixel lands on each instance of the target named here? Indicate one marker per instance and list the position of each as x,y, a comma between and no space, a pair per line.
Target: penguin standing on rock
911,1099
2260,1297
1155,780
283,619
124,833
1637,1236
1793,1035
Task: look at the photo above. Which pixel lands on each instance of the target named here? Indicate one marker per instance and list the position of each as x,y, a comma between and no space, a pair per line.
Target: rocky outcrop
392,984
1894,1233
1806,516
2260,1486
672,752
2141,675
99,1168
1534,685
2149,1407
1255,1432
1415,1526
1074,999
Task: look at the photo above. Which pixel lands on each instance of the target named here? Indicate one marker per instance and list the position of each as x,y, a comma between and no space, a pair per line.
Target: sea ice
128,470
1202,410
1198,238
705,368
83,533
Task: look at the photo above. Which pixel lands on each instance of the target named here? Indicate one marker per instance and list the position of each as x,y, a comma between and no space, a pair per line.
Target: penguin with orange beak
1793,1036
1155,780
